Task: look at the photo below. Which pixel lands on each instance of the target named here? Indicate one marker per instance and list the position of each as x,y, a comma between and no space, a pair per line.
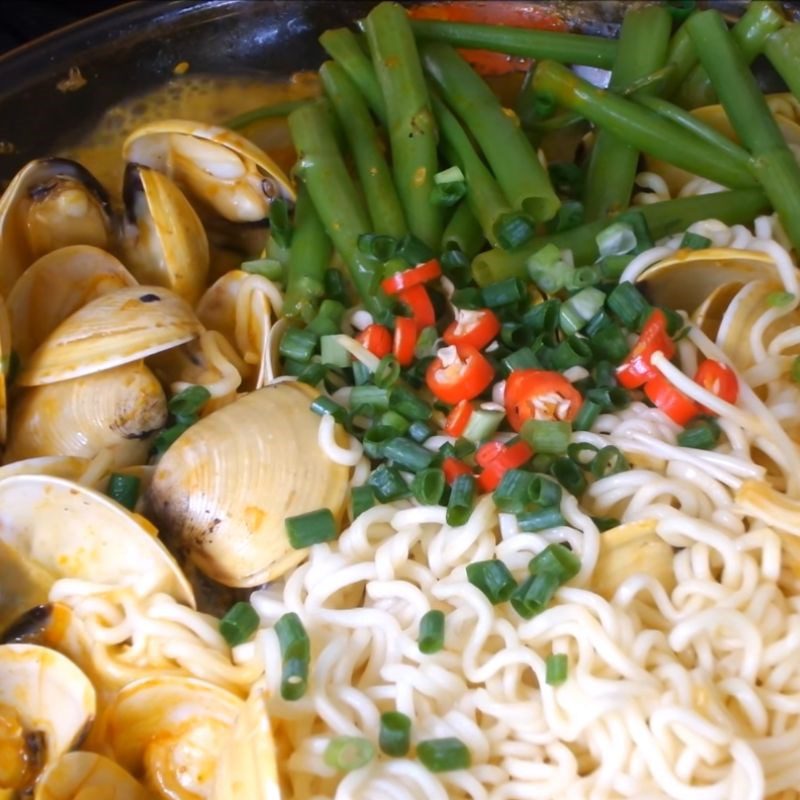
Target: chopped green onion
462,496
609,397
332,352
548,270
574,351
394,736
610,343
556,669
292,637
627,303
702,433
168,436
612,267
124,489
780,299
547,436
463,448
615,240
346,753
567,178
449,175
606,523
428,486
409,405
493,578
542,463
455,266
388,484
269,268
335,286
569,475
239,623
311,528
294,678
555,560
323,326
377,245
279,223
533,595
387,372
694,241
544,493
420,431
514,229
361,373
324,405
391,419
482,424
600,321
413,250
605,374
332,310
524,358
504,292
638,224
375,440
299,345
511,494
367,395
431,632
535,521
444,755
425,342
186,405
608,461
469,298
580,308
675,321
515,334
362,499
393,266
583,278
570,215
407,454
448,194
582,453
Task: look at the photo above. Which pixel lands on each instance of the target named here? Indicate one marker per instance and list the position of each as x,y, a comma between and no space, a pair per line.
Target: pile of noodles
691,694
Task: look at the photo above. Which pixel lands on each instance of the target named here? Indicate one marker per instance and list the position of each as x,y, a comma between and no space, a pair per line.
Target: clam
118,410
687,278
122,326
46,707
51,203
23,584
163,241
218,168
168,732
82,776
228,483
57,285
630,549
71,531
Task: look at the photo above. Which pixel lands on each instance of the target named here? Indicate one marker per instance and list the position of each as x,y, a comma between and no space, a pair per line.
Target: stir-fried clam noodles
455,454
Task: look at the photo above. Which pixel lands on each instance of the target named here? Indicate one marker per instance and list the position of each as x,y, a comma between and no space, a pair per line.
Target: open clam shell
217,167
164,242
74,532
51,203
80,776
57,285
228,483
118,410
46,707
168,732
23,584
122,326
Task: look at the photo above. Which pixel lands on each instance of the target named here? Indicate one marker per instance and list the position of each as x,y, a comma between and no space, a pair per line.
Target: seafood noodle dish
428,431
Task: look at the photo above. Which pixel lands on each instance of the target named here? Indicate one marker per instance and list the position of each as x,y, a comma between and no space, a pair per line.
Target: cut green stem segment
394,736
568,48
556,667
124,489
511,156
444,755
681,59
309,257
374,174
642,49
239,624
312,528
670,216
640,127
493,578
409,119
783,50
274,111
322,169
342,45
347,753
751,32
462,497
431,632
463,232
774,164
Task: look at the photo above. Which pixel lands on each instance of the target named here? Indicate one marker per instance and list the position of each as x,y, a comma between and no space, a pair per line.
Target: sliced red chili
477,328
540,394
405,340
465,377
488,452
511,456
637,369
419,303
671,400
422,273
719,379
452,468
458,418
377,339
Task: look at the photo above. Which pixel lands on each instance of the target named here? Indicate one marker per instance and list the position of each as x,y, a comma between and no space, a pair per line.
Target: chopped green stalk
409,405
783,51
372,396
322,169
394,736
640,127
462,497
541,520
512,494
608,461
534,595
269,268
292,637
168,437
693,241
547,436
428,486
124,489
642,49
580,308
482,424
571,352
324,405
544,493
511,156
407,454
556,667
627,303
669,216
187,404
774,164
309,256
410,122
294,678
419,431
702,433
376,438
751,32
374,174
444,755
503,293
463,232
341,44
347,753
333,353
362,499
493,578
273,111
569,48
555,560
569,475
587,416
311,528
239,624
299,345
388,483
431,632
